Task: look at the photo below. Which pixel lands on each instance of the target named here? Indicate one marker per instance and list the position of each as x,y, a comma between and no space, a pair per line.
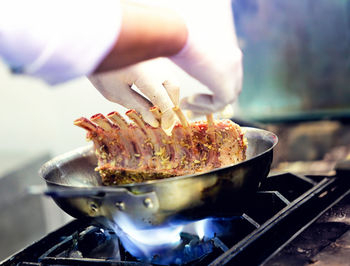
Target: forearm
146,32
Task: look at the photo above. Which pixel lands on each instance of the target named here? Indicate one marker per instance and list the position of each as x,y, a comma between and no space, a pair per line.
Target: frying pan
76,188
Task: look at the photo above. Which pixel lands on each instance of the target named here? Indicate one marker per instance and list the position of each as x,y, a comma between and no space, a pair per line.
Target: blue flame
143,243
173,244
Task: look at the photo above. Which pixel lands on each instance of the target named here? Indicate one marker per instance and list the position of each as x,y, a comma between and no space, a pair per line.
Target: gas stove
265,233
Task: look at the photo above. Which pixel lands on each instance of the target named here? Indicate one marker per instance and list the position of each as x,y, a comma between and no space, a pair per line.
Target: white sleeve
57,40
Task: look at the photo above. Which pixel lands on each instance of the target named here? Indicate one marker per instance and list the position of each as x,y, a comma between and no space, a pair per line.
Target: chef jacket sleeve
57,40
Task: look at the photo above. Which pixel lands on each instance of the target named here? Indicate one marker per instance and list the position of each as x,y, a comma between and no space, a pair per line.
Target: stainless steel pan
76,187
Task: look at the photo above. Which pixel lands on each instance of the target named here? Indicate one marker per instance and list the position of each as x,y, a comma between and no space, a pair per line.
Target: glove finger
125,96
196,109
226,113
155,92
141,107
133,100
160,98
203,104
173,91
148,78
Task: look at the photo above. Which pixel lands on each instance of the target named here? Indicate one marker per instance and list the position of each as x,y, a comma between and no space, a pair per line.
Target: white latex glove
147,77
211,54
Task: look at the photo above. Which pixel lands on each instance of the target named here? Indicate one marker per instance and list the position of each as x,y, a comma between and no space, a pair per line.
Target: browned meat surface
135,152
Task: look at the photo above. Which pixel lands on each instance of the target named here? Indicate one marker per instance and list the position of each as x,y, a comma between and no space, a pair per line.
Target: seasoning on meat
136,152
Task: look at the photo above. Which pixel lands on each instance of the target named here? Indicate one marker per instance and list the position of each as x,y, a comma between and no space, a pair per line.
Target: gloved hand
211,54
147,77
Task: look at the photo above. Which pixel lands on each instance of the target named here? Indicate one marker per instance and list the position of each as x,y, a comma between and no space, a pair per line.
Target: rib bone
85,124
116,118
181,116
156,112
102,121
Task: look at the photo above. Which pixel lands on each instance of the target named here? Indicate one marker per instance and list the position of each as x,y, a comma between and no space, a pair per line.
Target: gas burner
189,249
285,205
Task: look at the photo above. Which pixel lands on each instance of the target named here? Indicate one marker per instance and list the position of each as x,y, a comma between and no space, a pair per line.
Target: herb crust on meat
136,152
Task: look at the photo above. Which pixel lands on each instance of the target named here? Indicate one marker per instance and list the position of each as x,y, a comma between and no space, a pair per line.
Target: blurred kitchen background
296,83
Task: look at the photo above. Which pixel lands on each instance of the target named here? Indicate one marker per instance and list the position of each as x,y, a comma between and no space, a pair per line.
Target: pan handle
70,192
105,201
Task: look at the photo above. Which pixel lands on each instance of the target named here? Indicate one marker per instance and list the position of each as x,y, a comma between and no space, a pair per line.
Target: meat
136,152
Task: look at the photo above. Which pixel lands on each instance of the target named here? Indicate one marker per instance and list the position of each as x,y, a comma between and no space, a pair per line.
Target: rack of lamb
137,152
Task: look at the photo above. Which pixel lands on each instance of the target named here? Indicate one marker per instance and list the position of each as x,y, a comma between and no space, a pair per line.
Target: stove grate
285,205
